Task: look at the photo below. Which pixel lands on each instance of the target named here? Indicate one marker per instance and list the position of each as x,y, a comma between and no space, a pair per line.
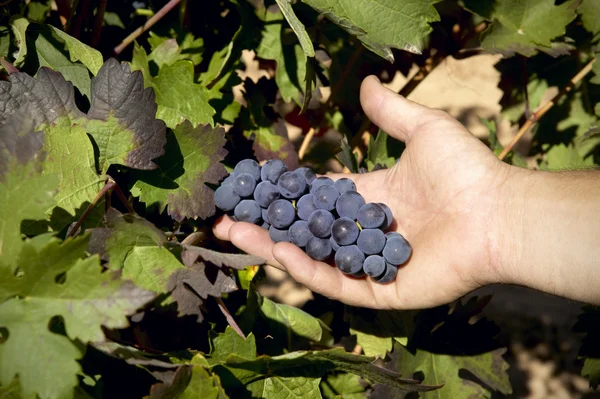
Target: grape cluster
323,217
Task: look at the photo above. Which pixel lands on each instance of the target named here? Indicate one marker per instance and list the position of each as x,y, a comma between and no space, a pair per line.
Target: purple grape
265,193
320,222
248,211
249,166
271,170
391,234
244,184
228,179
291,185
281,213
334,245
389,218
344,231
389,275
265,215
278,235
370,216
307,174
318,248
265,225
374,266
348,204
325,197
225,198
349,259
371,241
344,185
320,181
305,206
299,233
397,250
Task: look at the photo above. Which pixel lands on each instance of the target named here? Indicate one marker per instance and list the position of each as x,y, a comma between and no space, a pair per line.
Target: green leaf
347,157
288,12
138,248
165,53
19,27
290,74
373,345
190,382
192,158
52,281
230,342
113,19
377,153
591,371
342,385
590,15
315,364
490,368
289,387
521,26
122,119
79,51
294,319
178,97
383,25
561,157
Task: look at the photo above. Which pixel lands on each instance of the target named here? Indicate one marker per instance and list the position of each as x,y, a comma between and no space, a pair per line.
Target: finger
330,281
393,113
253,240
222,226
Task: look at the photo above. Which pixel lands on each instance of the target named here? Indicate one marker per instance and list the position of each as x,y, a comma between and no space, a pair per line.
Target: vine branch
98,23
531,121
151,21
229,318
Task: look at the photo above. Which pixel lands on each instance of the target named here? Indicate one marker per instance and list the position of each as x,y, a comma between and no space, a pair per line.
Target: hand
445,194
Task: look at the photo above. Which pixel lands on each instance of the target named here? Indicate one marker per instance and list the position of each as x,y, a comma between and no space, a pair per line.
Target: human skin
471,219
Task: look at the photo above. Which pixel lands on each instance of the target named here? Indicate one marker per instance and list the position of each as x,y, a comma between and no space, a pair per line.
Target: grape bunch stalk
325,218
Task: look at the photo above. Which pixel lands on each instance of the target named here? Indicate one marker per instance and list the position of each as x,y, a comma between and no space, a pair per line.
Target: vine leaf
56,280
590,15
19,28
192,158
290,74
191,254
591,371
383,25
178,97
288,12
190,381
228,342
79,51
377,153
137,247
122,119
490,368
522,26
24,192
293,319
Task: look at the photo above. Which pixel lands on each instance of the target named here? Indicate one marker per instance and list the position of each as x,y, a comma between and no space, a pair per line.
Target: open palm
445,194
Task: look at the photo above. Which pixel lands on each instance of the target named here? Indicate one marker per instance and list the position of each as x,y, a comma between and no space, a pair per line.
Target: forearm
551,239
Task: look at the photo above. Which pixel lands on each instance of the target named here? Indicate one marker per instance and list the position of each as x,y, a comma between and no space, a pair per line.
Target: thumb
394,114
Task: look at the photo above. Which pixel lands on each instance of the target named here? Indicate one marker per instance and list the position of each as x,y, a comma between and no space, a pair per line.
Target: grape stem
151,21
531,121
229,318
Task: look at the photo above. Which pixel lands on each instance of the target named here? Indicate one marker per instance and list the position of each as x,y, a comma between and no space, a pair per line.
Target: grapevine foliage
111,281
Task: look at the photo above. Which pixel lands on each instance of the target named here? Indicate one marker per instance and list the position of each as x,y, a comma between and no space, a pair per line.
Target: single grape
320,222
278,235
228,179
225,198
318,248
397,250
265,193
307,174
334,245
374,265
249,166
265,225
320,181
344,231
348,204
370,216
271,170
281,213
305,206
389,275
389,218
391,234
265,215
299,233
244,184
291,185
325,197
349,259
371,241
248,211
344,185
